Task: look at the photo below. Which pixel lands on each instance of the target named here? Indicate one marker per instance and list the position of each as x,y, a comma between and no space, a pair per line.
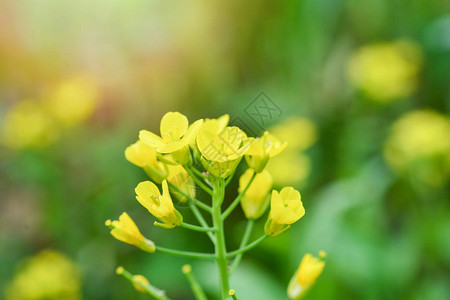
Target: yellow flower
181,179
300,133
28,125
306,275
292,167
286,208
221,147
176,135
47,275
386,71
262,149
419,143
72,101
125,230
256,199
160,206
144,156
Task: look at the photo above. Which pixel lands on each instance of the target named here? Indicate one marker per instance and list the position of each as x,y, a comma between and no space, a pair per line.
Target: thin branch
244,241
185,253
248,247
235,202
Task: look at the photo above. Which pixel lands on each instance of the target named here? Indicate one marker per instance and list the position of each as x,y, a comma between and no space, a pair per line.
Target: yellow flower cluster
37,123
49,275
205,154
386,71
419,143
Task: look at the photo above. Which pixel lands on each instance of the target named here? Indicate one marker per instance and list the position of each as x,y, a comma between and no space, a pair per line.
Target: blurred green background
364,93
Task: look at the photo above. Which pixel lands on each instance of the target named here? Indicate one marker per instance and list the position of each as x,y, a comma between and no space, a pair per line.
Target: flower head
386,71
144,156
419,143
176,135
286,208
221,146
178,176
262,149
306,275
47,275
125,230
160,206
256,198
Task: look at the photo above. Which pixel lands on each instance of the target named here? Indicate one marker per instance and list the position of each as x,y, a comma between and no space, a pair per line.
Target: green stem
198,181
248,247
230,177
232,293
220,249
195,286
197,228
195,201
202,221
238,198
185,253
147,288
192,168
245,238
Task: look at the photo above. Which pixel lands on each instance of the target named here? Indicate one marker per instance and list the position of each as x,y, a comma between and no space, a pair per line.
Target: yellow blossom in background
28,125
160,206
256,199
125,230
178,176
386,71
222,148
306,275
73,101
49,275
176,135
419,143
286,208
144,156
292,167
262,149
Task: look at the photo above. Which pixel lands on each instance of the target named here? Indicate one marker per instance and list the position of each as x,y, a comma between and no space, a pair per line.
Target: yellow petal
151,139
173,126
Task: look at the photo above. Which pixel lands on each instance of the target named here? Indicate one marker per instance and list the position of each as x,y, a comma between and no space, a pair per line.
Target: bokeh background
363,89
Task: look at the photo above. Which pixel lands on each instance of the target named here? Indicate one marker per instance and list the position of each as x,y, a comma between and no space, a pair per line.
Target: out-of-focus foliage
363,85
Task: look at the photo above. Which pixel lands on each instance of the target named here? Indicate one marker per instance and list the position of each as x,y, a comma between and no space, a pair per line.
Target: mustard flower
28,125
72,101
286,208
176,135
256,199
144,156
222,148
47,275
178,176
419,144
386,71
160,206
306,275
125,230
262,149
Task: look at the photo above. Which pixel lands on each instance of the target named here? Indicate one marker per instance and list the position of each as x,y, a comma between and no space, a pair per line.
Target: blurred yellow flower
386,71
419,142
262,149
292,166
256,199
144,156
300,133
176,135
49,275
222,148
125,230
72,101
286,208
27,125
306,275
181,179
160,206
